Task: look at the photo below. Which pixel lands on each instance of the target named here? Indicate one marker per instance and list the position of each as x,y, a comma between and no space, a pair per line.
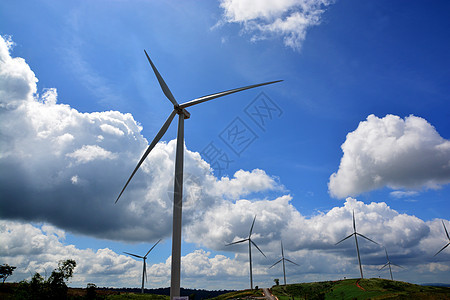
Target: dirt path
357,284
268,295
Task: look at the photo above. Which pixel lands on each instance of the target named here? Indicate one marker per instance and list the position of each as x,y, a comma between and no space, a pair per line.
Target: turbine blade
442,249
446,232
251,228
397,265
354,224
282,251
286,259
383,266
158,136
275,263
221,94
241,241
133,255
258,248
163,85
344,239
367,238
291,262
152,247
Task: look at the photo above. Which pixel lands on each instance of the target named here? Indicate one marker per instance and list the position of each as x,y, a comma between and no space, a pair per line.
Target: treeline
194,294
54,287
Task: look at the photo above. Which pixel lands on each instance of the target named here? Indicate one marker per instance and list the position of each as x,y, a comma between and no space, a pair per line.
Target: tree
53,288
6,271
90,291
56,281
65,268
277,281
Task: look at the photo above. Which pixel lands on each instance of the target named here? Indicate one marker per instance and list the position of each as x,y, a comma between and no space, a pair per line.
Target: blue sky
371,77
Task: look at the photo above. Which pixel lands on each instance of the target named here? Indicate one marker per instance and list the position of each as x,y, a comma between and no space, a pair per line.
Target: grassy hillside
360,289
343,289
244,294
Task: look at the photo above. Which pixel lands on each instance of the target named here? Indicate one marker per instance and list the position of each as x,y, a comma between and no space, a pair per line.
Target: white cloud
43,247
403,194
245,182
89,153
288,18
18,82
60,160
56,169
392,152
309,242
111,129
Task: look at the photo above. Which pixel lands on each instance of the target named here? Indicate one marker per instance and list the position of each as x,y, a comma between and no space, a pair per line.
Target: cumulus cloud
309,242
18,82
394,152
66,167
44,247
288,18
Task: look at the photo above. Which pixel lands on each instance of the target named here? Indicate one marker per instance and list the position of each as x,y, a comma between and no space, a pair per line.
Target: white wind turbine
144,258
282,260
389,264
356,241
250,242
448,237
183,114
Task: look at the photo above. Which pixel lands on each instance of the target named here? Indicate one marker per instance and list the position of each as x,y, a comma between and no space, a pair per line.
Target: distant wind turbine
282,260
389,264
144,270
356,241
250,242
448,237
183,114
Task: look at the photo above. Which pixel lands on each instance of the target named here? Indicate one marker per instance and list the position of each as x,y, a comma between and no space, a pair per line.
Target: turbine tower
389,264
448,237
144,258
282,260
356,241
183,114
250,242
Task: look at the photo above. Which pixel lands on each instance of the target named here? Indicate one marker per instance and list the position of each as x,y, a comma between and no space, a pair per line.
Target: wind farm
359,123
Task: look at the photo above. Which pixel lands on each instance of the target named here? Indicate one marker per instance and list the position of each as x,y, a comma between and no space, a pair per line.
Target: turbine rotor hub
182,111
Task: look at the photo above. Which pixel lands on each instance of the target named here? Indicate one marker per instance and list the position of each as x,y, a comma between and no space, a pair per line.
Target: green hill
374,288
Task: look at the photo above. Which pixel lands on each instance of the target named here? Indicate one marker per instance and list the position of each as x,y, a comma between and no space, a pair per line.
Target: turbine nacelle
182,111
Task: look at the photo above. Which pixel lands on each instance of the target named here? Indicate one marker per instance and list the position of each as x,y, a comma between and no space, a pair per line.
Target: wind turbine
389,264
144,270
250,242
183,114
356,241
282,260
448,237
